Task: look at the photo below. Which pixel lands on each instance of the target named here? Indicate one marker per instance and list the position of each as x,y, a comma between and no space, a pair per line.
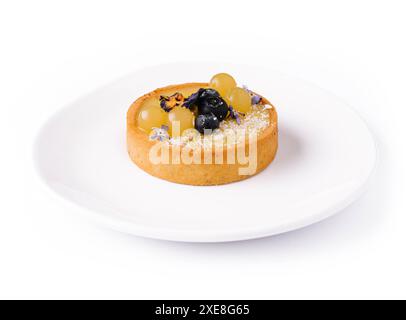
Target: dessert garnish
204,110
255,99
191,101
150,116
169,102
210,102
206,122
160,134
234,114
223,83
207,101
179,120
240,100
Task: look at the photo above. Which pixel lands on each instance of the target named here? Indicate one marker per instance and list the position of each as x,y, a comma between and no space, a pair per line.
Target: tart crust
139,145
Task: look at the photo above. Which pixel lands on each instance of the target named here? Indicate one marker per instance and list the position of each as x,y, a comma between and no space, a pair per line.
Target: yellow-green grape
223,83
240,100
151,115
180,119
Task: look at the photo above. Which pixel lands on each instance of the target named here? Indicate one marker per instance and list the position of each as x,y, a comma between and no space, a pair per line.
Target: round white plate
325,158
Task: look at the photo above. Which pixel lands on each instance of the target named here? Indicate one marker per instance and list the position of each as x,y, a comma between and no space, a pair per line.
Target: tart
202,133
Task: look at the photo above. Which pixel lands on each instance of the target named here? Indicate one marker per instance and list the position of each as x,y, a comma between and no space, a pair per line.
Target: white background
51,52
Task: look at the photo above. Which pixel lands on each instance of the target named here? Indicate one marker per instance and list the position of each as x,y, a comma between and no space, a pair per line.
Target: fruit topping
240,100
211,102
151,116
207,101
180,119
223,83
202,110
206,122
208,93
169,102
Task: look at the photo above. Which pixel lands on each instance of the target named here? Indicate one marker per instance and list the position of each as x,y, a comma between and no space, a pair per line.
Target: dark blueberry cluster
211,109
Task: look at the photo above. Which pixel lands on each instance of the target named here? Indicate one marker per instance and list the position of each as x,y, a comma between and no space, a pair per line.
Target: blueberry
207,93
209,103
206,122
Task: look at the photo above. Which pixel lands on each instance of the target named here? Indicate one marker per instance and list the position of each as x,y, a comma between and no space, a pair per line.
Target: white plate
325,158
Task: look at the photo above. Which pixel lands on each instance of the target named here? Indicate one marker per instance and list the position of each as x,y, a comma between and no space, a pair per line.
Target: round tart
226,155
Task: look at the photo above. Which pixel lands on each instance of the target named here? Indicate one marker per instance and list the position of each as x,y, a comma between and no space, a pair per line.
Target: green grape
240,100
151,115
223,83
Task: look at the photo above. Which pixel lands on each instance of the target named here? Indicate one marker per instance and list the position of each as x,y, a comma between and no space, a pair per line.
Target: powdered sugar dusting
229,132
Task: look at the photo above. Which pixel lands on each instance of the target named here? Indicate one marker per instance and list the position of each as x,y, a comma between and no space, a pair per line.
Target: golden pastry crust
139,145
